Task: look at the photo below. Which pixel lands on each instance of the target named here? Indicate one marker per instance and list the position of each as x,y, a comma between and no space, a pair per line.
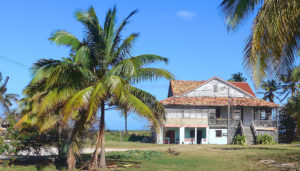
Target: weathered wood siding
206,90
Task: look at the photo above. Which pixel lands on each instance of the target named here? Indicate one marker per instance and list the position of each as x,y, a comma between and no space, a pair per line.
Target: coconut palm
6,98
274,39
237,77
115,70
53,83
270,88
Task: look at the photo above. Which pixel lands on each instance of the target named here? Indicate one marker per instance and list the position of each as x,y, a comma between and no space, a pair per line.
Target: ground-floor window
219,133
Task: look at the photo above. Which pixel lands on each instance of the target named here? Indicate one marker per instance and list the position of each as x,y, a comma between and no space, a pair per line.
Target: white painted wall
215,140
206,90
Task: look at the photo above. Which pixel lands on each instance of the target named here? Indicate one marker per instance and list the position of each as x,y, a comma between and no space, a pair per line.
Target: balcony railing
222,122
265,123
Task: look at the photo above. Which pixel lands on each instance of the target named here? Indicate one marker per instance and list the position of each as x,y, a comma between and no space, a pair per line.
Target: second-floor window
215,88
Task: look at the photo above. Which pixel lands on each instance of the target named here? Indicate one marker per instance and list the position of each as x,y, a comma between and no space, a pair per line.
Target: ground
192,157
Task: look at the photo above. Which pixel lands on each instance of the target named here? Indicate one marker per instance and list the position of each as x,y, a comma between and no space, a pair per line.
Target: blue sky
191,33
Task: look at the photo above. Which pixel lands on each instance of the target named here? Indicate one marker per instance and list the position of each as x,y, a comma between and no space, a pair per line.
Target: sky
191,33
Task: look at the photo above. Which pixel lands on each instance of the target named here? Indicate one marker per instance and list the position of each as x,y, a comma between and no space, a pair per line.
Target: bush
287,127
239,140
265,139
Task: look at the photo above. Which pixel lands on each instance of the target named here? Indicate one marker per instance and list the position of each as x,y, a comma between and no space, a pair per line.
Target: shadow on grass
40,162
250,148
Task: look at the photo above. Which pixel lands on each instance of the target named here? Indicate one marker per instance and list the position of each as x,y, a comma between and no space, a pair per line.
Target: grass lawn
204,157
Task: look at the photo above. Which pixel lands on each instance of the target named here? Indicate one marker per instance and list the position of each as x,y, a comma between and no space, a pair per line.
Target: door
171,136
199,136
247,116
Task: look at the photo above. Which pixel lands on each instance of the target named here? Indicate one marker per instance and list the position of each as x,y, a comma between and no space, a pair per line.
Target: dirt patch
283,166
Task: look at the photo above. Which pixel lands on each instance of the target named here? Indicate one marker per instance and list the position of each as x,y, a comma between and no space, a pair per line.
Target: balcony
265,123
222,122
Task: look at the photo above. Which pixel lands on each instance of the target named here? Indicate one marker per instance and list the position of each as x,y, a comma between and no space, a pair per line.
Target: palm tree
53,83
6,98
237,77
274,39
270,88
288,85
113,70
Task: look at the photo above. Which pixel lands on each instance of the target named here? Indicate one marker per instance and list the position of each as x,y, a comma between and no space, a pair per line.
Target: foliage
287,127
292,108
239,140
289,84
237,77
6,98
133,155
274,39
265,139
270,88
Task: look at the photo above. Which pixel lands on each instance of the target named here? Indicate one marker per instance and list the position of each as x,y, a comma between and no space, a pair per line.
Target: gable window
215,88
218,133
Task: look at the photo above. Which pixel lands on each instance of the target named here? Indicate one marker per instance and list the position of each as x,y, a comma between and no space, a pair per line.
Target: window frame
215,88
220,132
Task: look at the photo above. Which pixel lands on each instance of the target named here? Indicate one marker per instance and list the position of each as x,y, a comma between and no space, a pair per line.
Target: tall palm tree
270,88
237,77
6,98
114,70
274,39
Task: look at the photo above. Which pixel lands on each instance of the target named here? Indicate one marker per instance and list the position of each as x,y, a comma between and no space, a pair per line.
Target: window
237,114
218,133
218,113
263,115
215,88
192,133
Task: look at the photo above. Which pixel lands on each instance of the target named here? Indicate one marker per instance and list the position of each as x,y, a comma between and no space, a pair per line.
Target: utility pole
228,115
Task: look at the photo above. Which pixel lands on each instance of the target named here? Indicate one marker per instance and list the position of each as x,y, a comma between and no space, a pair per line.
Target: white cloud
187,15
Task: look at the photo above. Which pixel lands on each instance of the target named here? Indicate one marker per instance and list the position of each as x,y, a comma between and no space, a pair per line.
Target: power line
15,62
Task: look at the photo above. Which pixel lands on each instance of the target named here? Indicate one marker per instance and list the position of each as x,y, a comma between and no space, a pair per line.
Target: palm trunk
71,159
60,149
100,141
125,114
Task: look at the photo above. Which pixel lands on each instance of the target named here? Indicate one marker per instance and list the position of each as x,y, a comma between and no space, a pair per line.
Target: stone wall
269,132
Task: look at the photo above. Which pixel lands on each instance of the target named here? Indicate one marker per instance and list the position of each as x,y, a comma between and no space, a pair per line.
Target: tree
274,39
99,72
292,108
270,88
288,85
237,77
6,98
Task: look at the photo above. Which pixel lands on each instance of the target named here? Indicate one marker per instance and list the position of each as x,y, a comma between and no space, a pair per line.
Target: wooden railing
265,123
242,128
222,122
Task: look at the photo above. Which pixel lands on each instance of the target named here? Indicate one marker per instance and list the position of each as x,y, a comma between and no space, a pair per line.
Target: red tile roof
179,87
217,101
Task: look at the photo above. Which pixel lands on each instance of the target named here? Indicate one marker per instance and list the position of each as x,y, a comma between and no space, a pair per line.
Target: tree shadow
251,148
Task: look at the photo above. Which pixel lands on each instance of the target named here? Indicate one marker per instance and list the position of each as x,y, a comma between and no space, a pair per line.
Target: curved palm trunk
100,142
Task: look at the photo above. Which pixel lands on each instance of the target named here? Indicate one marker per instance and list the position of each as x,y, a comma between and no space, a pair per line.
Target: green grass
195,157
120,136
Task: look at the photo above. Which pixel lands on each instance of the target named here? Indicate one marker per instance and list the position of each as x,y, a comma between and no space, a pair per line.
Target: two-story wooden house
197,113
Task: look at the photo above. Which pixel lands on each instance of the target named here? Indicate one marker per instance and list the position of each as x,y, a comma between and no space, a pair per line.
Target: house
197,113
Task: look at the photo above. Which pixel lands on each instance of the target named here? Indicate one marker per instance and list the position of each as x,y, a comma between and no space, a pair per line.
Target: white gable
216,87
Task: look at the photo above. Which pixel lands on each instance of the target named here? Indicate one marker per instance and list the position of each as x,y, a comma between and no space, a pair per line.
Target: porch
185,135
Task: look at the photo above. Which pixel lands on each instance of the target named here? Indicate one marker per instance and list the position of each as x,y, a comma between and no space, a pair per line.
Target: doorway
171,136
199,136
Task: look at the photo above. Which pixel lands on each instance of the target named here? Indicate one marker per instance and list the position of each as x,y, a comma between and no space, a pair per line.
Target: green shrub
239,140
265,139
